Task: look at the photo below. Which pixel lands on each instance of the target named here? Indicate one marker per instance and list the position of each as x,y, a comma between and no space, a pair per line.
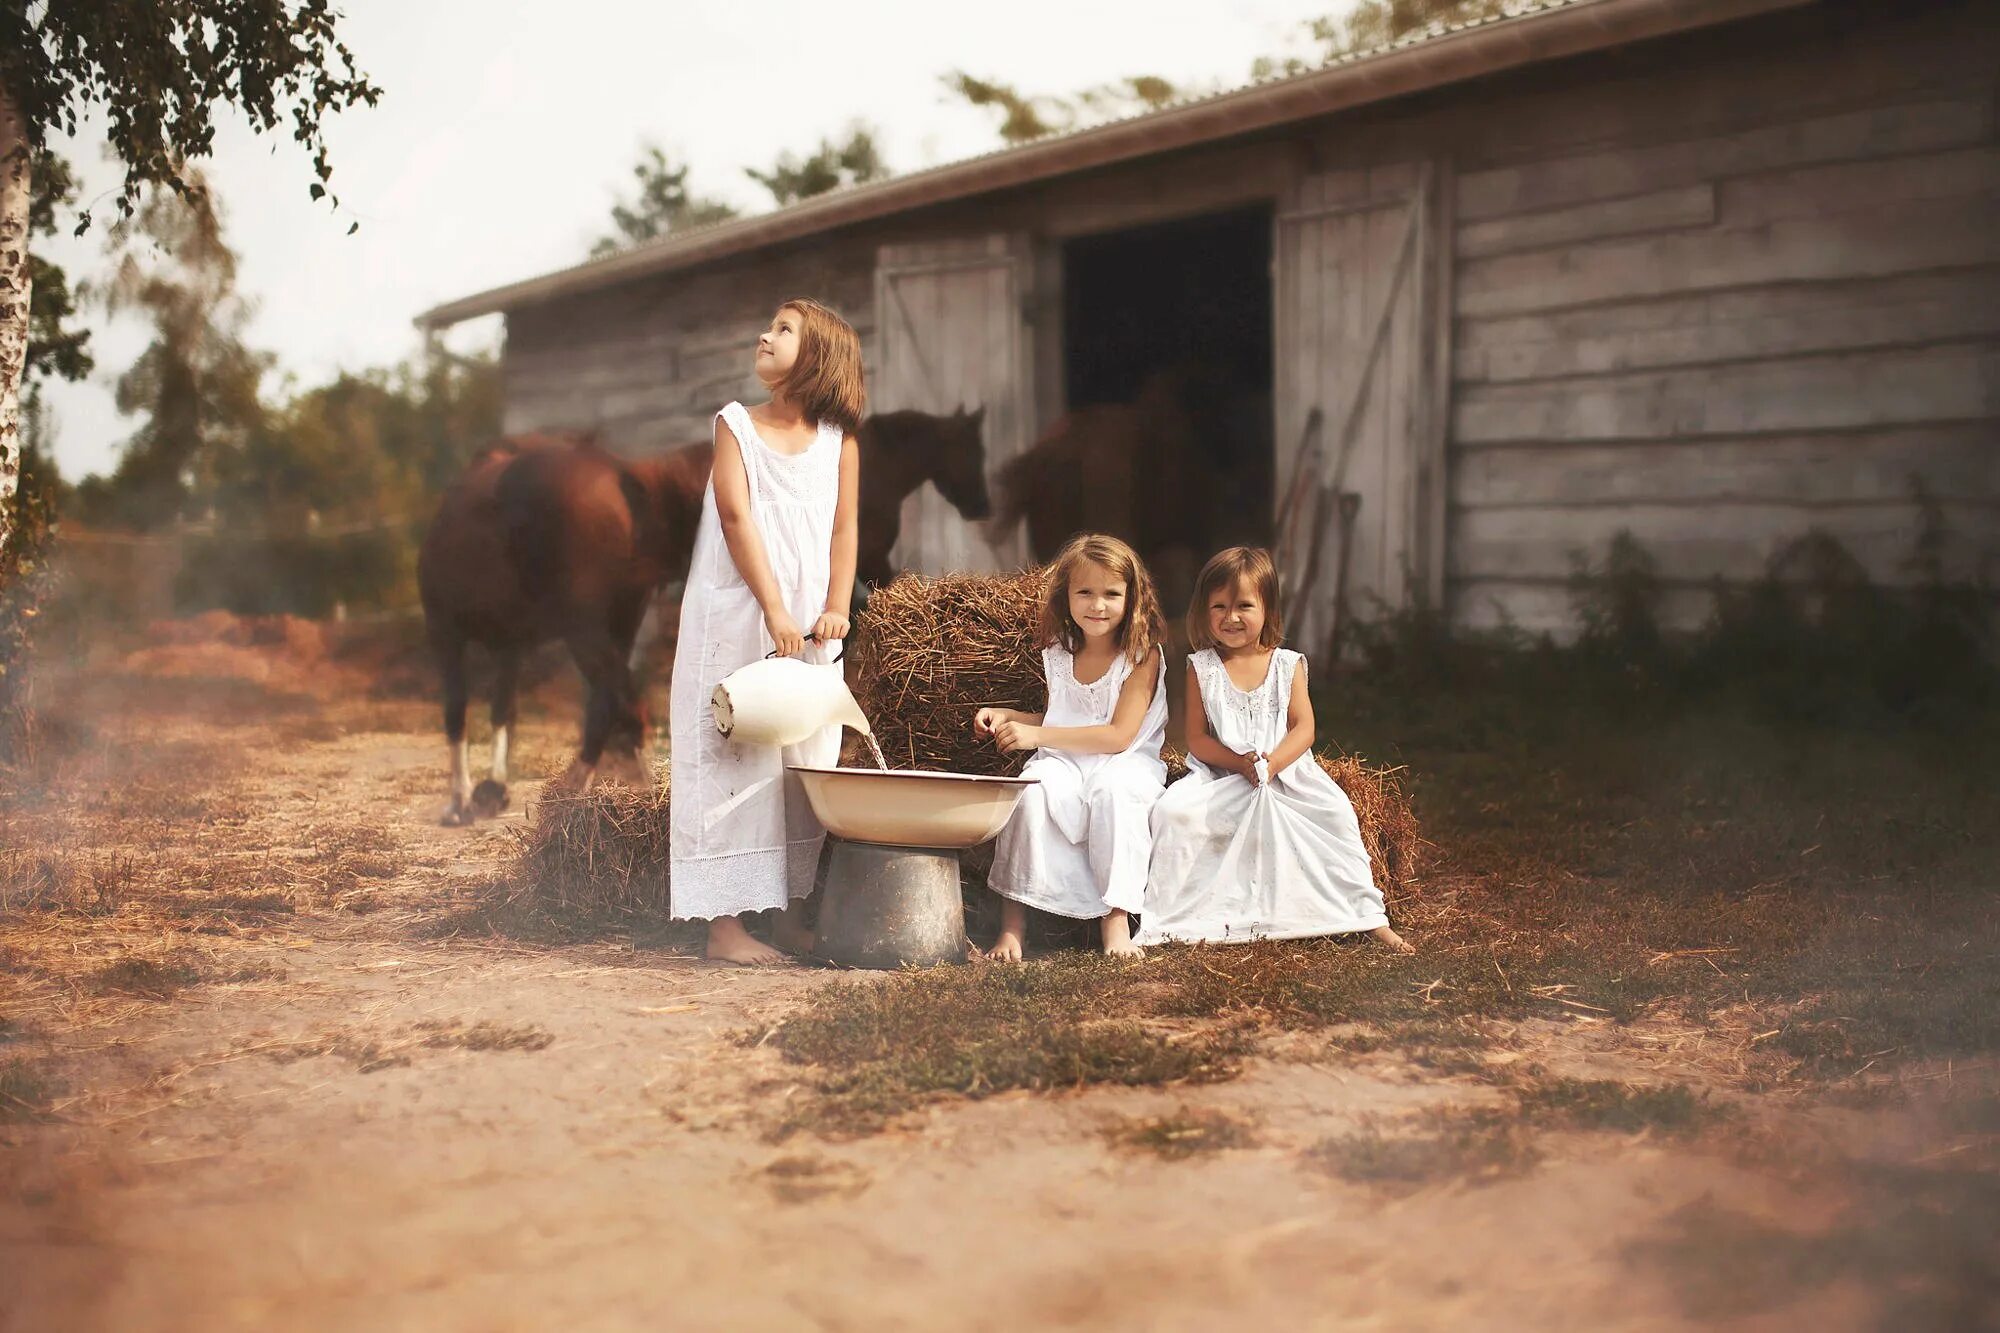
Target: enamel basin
910,807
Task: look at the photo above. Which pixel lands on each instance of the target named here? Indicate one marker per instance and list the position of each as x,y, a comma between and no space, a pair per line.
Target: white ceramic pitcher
782,700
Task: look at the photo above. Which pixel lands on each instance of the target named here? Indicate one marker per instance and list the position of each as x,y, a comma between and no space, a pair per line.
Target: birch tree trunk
15,183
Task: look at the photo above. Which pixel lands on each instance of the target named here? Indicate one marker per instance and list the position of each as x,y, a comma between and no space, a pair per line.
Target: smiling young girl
773,567
1080,839
1256,842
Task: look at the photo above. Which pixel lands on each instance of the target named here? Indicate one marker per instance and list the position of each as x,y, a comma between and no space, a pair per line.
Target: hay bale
602,852
928,653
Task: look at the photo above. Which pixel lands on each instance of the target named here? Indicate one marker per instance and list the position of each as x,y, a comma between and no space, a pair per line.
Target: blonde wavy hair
1142,630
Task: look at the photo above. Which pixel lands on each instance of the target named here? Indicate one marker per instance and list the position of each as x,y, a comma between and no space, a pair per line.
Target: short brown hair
1252,563
826,380
1143,627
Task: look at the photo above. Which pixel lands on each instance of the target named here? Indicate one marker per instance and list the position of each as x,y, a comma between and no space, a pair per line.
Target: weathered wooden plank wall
1352,272
952,336
648,364
1761,295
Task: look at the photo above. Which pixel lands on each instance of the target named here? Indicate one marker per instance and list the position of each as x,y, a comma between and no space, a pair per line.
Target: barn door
1359,443
953,333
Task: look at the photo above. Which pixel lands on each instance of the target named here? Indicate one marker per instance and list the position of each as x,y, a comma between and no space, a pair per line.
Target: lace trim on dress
786,478
1097,699
1247,714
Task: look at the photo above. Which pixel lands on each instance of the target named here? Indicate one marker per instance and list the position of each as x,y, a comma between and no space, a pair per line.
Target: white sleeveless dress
1080,840
1233,861
743,835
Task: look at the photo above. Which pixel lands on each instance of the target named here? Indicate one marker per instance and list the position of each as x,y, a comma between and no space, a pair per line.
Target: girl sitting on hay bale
1257,841
1080,840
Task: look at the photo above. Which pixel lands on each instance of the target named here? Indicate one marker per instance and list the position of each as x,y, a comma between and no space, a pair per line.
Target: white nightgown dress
1233,861
744,837
1080,840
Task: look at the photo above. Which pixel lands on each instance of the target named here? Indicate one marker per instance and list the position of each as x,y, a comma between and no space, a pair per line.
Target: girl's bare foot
1013,932
1117,927
1393,940
1006,949
728,942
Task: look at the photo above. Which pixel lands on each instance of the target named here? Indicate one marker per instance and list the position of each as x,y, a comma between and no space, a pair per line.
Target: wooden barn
1713,272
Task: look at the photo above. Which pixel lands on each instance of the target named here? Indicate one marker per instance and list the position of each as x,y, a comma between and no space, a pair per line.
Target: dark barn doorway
1180,312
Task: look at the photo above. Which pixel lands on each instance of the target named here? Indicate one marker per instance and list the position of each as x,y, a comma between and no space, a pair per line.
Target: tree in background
196,387
1026,116
661,206
54,348
156,70
853,161
1372,24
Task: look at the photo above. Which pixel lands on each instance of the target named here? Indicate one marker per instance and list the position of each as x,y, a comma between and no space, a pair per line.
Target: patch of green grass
881,1049
1184,1133
1600,1104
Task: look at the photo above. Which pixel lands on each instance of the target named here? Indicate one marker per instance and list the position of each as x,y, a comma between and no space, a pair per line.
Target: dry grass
601,853
372,1051
875,1051
25,1091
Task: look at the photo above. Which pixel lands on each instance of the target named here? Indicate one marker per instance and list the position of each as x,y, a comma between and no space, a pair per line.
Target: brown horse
546,537
1170,472
551,536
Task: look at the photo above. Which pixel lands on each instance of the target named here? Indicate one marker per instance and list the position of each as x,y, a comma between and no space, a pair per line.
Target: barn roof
1530,31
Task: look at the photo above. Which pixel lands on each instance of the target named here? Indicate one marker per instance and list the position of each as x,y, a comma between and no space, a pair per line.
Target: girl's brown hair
1254,565
1143,627
826,380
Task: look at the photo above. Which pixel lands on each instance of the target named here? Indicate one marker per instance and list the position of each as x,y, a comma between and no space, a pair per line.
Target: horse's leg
627,735
601,660
489,798
450,652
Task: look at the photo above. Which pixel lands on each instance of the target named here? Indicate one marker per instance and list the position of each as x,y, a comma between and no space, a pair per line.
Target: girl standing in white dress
774,554
1256,842
1079,842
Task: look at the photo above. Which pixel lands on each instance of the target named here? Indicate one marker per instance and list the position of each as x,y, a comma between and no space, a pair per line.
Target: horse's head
958,462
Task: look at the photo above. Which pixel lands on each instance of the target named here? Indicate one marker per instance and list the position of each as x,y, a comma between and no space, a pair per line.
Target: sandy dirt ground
366,1123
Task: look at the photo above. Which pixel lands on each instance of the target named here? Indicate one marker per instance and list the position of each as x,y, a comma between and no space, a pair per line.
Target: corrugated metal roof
1527,31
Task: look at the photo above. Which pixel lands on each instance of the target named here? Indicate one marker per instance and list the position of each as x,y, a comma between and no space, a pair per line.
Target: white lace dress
1234,861
743,835
1080,840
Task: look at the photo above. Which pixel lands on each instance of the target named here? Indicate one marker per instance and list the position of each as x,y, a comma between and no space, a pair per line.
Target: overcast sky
507,128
